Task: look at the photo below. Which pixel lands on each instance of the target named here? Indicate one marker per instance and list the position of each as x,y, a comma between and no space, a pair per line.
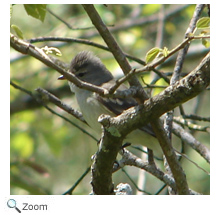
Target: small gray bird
89,68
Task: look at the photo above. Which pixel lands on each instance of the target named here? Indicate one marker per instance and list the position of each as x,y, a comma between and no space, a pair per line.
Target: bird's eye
81,74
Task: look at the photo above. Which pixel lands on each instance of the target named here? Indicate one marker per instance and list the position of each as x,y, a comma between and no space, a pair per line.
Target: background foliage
48,155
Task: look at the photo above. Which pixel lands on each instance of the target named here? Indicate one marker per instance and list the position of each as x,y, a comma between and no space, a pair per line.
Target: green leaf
52,50
37,11
206,43
18,31
204,22
165,51
205,32
152,54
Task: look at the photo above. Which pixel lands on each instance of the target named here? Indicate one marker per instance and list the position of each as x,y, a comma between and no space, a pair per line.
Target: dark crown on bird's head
88,67
85,58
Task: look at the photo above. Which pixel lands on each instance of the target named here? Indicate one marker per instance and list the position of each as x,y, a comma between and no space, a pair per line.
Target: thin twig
160,27
41,101
191,141
50,97
194,163
70,191
66,23
190,125
196,117
134,183
132,160
141,21
183,52
151,66
82,41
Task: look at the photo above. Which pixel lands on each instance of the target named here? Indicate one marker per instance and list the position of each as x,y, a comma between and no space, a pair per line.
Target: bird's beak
61,78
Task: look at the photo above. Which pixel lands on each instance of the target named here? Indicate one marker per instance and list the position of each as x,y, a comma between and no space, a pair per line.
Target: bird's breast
91,108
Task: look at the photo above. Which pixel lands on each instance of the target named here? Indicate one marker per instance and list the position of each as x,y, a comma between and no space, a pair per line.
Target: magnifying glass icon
12,204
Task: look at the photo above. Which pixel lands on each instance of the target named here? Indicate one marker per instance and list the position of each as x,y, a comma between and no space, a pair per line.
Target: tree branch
177,171
81,41
192,126
183,52
156,63
102,183
26,102
191,141
114,48
169,98
169,115
174,95
132,160
185,89
65,107
141,21
179,63
53,99
27,48
103,163
121,125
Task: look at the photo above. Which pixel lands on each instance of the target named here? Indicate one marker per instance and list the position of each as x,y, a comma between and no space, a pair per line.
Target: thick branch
182,91
114,48
165,143
103,163
103,185
136,117
174,165
27,48
107,37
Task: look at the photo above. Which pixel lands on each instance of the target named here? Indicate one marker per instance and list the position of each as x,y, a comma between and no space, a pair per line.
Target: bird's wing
118,105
